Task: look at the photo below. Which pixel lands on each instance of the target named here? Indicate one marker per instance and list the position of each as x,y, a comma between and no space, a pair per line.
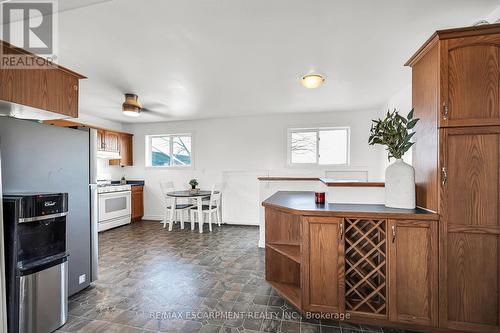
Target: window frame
149,155
316,130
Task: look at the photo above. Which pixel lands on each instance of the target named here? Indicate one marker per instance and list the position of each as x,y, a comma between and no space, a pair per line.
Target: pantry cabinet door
470,229
471,74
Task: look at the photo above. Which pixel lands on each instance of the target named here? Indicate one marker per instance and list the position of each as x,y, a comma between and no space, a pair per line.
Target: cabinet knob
75,87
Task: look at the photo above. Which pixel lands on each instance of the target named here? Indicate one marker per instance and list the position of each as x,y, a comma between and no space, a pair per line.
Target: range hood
14,110
108,155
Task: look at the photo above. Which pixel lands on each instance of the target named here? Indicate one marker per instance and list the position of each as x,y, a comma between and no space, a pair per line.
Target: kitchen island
378,264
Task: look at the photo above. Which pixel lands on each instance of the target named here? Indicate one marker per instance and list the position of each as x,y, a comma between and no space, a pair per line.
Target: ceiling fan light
312,81
131,113
131,106
131,100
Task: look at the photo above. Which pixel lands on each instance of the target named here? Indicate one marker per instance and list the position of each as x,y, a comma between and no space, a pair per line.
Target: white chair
171,206
213,208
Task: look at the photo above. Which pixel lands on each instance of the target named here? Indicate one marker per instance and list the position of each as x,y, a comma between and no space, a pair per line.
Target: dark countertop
302,203
130,182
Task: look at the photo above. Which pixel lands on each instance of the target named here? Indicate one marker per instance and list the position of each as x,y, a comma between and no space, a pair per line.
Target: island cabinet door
413,272
323,273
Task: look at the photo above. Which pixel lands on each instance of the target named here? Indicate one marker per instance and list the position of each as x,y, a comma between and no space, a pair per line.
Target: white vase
400,185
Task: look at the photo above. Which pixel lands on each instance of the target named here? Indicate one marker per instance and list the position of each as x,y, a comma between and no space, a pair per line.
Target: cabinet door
100,139
137,203
470,229
413,272
126,152
324,264
48,89
111,141
471,81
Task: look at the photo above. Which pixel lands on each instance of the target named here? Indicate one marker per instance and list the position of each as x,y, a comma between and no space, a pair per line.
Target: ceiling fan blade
156,113
155,106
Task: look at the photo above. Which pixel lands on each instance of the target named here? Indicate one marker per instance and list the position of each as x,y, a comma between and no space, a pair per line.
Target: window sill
175,167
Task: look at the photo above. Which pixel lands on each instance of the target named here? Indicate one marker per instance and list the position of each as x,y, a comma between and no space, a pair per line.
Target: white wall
400,101
106,171
238,150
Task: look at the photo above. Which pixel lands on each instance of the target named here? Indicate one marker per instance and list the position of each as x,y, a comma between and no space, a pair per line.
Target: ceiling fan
132,108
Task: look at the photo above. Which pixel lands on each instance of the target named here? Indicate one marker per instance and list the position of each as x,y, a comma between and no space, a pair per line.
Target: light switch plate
82,279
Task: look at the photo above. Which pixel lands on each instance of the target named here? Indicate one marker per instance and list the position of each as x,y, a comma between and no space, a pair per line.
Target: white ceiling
192,59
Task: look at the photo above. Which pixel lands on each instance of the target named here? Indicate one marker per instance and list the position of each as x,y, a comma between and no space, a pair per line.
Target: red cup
320,197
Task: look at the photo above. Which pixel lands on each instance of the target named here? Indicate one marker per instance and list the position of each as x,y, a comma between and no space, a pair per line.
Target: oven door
114,205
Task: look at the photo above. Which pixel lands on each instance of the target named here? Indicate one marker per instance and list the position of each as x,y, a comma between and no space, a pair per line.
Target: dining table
197,195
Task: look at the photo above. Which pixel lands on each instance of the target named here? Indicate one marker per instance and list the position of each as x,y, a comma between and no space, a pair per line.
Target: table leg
172,213
200,213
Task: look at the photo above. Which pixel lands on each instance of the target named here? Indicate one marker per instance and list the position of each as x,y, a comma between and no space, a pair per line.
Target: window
321,146
171,150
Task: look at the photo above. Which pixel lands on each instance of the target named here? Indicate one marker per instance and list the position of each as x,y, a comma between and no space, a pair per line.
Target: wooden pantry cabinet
457,166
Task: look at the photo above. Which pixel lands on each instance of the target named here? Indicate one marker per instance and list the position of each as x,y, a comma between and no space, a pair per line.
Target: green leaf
410,115
393,132
412,123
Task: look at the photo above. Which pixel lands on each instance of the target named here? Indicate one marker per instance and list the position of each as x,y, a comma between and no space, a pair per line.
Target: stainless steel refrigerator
3,296
39,157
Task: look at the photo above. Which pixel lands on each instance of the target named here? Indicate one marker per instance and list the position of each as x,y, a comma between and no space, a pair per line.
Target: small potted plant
394,132
193,183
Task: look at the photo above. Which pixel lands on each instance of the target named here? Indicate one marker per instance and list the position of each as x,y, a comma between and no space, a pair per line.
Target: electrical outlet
82,278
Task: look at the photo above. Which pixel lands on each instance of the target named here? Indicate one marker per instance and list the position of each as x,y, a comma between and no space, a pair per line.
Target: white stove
114,205
113,188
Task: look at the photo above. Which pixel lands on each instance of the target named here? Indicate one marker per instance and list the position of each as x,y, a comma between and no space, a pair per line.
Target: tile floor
152,280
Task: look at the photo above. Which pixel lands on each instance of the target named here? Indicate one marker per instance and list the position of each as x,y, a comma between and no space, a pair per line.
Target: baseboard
231,221
153,217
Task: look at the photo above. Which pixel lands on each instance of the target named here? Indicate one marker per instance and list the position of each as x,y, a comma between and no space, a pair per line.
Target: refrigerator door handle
94,241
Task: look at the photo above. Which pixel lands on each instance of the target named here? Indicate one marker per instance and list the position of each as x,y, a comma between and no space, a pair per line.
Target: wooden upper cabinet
470,76
324,286
462,84
111,141
126,151
52,88
100,139
413,272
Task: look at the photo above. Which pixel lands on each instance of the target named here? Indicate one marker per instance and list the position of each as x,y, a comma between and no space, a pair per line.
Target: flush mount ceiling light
312,80
131,106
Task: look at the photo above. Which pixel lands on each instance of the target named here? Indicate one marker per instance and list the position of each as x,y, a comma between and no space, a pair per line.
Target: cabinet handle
446,110
393,233
444,176
341,227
